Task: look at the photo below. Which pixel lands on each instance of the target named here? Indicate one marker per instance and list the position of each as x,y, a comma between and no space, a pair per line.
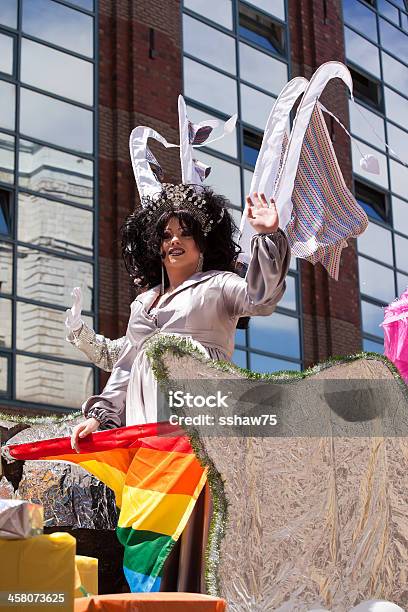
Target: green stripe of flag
145,551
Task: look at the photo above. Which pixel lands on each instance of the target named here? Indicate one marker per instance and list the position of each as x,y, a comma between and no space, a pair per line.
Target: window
374,202
262,70
6,267
402,283
367,125
239,358
49,278
399,178
59,25
8,105
358,149
8,13
401,252
54,225
65,76
5,212
55,173
4,375
400,215
252,144
6,158
372,316
382,249
396,107
263,364
376,242
56,122
361,17
387,9
6,54
276,330
256,106
362,53
376,281
397,139
372,347
366,88
43,340
289,299
219,11
5,318
210,87
86,4
224,177
261,29
394,40
52,382
395,73
273,7
208,44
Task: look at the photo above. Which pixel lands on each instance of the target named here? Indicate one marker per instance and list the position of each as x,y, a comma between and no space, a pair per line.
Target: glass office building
376,40
47,197
75,72
236,60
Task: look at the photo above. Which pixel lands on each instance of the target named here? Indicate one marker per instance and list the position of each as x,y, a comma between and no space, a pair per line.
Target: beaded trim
181,197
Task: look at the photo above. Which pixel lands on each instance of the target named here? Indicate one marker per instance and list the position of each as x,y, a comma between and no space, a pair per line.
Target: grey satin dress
205,308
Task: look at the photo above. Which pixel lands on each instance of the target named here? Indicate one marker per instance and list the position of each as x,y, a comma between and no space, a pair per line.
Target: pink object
395,326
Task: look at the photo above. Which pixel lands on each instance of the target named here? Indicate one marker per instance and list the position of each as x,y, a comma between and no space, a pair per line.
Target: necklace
169,290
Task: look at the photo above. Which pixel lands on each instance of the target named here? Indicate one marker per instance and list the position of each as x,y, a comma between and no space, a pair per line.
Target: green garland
40,420
182,347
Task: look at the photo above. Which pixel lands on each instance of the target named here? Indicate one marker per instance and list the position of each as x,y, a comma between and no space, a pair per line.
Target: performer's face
179,247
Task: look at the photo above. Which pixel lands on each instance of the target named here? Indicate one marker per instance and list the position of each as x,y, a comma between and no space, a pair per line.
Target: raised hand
73,322
264,218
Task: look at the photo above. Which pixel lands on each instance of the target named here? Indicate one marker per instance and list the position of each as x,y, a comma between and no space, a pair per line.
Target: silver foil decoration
306,522
71,497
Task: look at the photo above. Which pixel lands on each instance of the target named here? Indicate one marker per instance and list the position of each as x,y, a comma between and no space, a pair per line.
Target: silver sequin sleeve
102,351
264,284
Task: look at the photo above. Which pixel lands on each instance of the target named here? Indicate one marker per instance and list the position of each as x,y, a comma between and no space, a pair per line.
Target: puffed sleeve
264,283
109,407
101,351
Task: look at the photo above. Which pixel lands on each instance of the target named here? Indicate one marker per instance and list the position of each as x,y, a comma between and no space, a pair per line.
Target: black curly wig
142,240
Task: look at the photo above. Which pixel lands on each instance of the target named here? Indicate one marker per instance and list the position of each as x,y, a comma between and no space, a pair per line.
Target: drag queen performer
181,246
180,243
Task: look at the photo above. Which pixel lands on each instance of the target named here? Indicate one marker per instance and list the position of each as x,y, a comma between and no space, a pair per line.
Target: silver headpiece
182,197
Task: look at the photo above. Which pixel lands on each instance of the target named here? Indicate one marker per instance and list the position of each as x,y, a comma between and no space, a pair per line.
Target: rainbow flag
156,479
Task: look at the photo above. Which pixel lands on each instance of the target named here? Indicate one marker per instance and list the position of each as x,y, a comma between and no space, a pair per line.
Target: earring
200,263
162,280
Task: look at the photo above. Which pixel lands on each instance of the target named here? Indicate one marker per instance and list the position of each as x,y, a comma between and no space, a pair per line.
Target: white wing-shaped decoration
147,182
317,211
147,170
269,157
193,136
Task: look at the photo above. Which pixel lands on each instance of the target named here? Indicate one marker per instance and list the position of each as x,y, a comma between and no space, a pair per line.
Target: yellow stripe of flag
112,477
158,512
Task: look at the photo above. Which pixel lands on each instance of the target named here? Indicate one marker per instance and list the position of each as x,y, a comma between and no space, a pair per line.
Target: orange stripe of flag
164,472
120,458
